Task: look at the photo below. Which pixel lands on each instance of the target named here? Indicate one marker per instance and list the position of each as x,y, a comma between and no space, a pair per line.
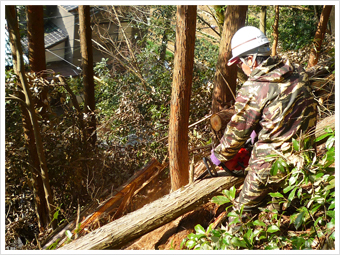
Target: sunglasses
242,61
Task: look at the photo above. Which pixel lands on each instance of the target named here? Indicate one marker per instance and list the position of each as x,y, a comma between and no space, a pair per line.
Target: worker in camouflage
275,103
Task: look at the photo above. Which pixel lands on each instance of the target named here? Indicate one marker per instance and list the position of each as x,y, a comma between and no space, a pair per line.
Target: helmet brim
233,60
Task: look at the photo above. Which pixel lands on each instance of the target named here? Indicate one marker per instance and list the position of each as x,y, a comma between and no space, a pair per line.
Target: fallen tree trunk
328,122
120,199
133,225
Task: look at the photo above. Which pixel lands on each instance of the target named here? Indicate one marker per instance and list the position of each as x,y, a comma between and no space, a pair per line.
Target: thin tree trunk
85,33
225,76
319,36
276,30
263,18
180,97
33,118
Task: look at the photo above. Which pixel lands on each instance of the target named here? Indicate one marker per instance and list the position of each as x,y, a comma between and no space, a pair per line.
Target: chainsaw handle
210,168
225,168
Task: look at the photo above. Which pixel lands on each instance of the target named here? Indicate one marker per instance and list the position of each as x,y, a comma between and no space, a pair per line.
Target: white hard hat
247,41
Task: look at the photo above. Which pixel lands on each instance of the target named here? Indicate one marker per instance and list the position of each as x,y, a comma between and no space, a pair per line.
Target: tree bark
263,18
225,76
180,96
133,225
276,30
85,34
35,32
319,36
32,115
36,52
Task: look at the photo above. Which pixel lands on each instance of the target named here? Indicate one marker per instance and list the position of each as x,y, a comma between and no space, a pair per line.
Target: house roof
69,8
53,36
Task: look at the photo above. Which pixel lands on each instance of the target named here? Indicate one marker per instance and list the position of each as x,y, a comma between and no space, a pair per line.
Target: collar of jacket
274,69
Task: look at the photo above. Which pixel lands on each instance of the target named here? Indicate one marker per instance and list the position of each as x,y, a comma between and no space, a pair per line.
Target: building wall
66,21
58,49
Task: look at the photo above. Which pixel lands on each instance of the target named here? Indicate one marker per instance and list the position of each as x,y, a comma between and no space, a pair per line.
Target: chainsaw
234,167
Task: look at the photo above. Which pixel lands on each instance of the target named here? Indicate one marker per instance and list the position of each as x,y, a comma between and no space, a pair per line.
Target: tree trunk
133,225
276,30
36,52
319,36
32,115
85,34
35,34
225,76
180,97
41,209
263,19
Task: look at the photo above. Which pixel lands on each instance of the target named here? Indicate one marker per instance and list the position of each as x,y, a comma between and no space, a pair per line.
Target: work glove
253,135
213,158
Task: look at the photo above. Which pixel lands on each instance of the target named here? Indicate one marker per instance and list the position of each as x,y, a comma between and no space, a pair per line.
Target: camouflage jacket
276,101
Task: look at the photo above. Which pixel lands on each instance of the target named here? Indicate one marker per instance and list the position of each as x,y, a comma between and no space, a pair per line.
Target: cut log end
220,120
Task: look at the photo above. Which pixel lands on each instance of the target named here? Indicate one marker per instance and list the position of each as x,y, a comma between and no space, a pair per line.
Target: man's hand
213,158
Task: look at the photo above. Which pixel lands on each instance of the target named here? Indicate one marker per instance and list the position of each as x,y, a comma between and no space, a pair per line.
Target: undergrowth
307,218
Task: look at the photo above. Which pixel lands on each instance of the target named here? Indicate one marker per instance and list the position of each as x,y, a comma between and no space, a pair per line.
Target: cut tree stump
220,119
135,224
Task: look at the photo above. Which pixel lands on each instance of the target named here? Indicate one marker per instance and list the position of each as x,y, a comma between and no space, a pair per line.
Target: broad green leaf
232,192
287,189
332,205
247,241
190,244
292,194
299,220
69,234
330,142
237,242
220,200
191,236
293,179
274,169
199,229
321,137
259,223
256,233
314,209
232,214
55,215
299,192
331,214
276,194
209,228
331,185
273,229
296,145
330,225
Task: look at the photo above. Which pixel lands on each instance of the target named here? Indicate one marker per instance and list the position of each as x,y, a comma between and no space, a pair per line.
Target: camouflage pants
257,184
